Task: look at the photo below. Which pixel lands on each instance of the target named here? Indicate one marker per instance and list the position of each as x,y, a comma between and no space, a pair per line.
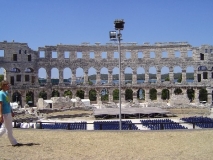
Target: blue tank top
4,98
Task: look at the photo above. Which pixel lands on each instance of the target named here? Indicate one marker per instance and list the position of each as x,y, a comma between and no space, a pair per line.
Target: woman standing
6,113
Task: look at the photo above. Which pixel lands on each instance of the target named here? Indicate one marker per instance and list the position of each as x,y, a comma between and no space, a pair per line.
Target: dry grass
108,145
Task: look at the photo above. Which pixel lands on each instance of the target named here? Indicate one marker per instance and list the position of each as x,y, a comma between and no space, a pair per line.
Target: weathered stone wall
22,64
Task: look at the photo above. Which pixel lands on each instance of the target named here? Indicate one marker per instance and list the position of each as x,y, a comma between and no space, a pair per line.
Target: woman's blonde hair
3,83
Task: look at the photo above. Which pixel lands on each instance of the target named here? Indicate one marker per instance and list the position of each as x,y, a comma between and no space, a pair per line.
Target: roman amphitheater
22,65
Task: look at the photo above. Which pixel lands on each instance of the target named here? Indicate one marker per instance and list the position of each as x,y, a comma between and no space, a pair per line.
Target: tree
92,95
177,91
1,78
191,94
116,94
128,94
180,79
68,93
55,93
153,94
167,79
165,94
43,95
203,95
80,94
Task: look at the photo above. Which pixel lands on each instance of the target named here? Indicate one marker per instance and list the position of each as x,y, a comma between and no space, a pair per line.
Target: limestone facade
22,64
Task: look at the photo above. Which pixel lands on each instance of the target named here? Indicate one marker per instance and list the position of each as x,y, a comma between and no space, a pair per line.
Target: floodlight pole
119,52
119,25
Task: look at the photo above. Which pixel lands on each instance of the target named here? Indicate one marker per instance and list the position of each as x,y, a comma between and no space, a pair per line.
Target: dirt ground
108,145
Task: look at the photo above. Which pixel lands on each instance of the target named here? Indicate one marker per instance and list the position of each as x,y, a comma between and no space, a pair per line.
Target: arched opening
16,97
68,93
165,94
104,95
178,91
203,95
55,93
128,95
30,98
191,94
115,95
92,95
153,94
141,94
43,95
80,94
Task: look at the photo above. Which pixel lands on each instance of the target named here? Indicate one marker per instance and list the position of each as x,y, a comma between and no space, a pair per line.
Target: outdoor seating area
202,122
162,124
67,126
114,125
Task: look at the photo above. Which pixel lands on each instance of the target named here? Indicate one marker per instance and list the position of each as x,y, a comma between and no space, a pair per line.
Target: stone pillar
183,76
134,77
147,99
135,99
158,76
171,75
61,79
86,77
195,76
73,79
122,95
98,95
98,78
48,76
122,77
209,96
86,94
159,95
110,77
146,75
110,95
196,100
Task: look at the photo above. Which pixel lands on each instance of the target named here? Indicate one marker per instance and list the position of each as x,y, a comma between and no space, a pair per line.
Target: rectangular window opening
18,78
104,55
19,51
66,54
41,54
27,78
14,57
54,54
177,54
92,55
1,53
201,56
116,55
205,75
152,54
29,57
140,54
128,55
79,54
164,54
189,53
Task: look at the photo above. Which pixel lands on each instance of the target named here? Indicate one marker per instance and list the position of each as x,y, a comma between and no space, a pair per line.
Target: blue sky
50,22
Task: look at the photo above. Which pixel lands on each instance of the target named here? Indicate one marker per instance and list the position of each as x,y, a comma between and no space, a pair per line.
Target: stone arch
67,75
128,75
104,75
178,91
165,73
152,74
190,94
29,70
140,75
141,94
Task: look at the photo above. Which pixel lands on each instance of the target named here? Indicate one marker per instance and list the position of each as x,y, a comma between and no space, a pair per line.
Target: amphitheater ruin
145,63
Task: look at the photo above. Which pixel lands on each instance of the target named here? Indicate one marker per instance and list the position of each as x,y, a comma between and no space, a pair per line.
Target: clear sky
50,22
